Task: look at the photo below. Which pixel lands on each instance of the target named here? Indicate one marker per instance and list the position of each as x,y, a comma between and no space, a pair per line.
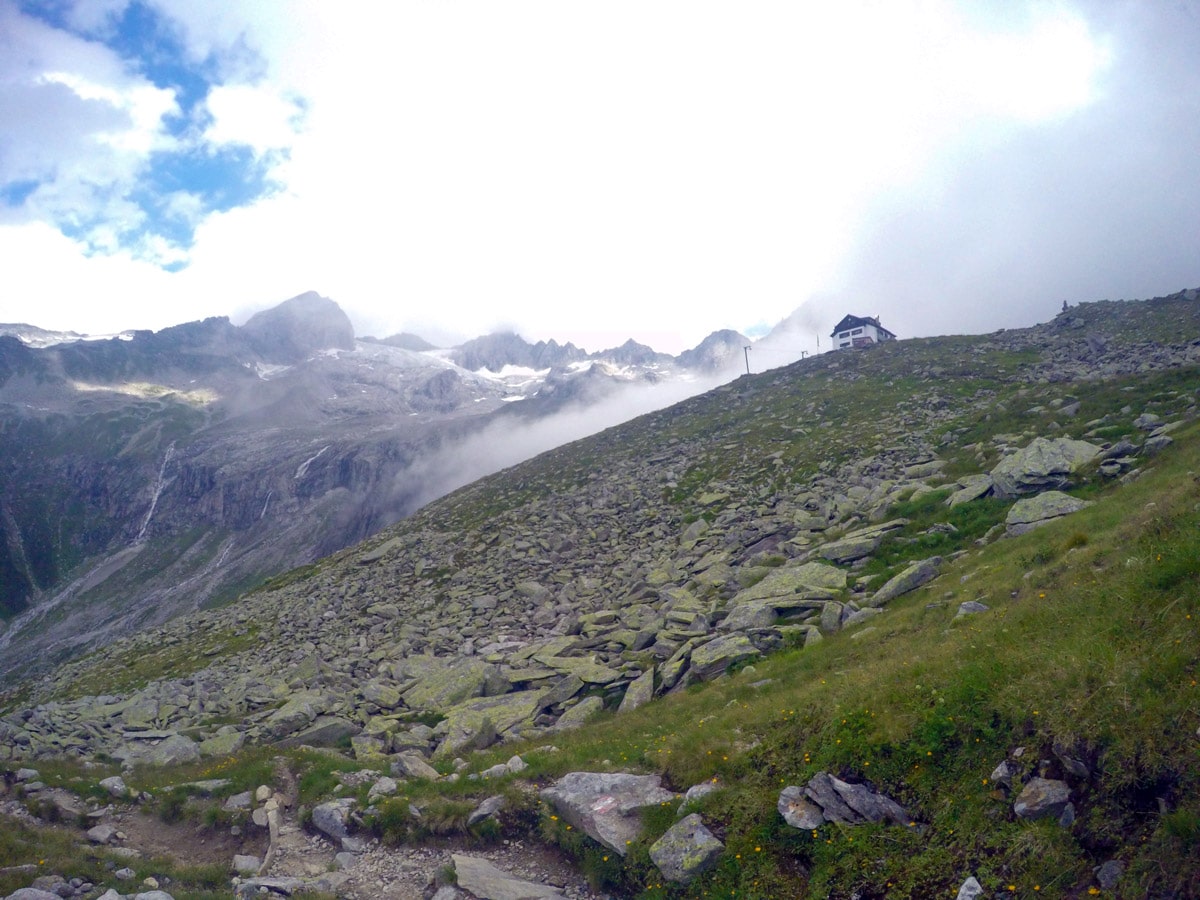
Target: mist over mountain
156,472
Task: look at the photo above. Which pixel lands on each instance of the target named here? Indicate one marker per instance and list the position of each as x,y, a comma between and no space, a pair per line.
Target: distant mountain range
155,472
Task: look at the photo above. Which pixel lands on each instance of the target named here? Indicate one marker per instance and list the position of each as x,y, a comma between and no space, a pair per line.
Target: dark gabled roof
859,321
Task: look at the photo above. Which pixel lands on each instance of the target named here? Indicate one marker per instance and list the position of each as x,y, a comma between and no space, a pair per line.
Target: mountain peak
296,328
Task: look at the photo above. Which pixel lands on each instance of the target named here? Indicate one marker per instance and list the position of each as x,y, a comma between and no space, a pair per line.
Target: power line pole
746,350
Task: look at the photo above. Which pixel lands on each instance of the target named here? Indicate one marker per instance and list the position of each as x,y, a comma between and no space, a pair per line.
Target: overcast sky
655,169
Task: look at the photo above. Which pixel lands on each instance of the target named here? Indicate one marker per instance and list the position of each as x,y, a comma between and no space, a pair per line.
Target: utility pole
746,350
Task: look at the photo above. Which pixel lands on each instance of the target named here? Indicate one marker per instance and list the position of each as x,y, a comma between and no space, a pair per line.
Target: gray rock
970,890
970,608
25,775
175,750
332,818
29,893
244,864
971,487
605,805
115,786
561,691
1042,797
910,579
850,804
1109,874
486,809
413,765
798,811
580,713
323,731
238,801
383,787
686,851
712,659
101,834
1032,512
482,879
640,692
1003,774
1156,444
1042,465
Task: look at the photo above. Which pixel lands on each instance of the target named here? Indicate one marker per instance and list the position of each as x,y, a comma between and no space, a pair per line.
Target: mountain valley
909,621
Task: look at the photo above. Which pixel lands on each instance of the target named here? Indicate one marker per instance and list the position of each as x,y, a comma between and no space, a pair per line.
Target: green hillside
676,554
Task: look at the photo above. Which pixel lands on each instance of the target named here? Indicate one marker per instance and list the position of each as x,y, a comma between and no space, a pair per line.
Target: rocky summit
808,634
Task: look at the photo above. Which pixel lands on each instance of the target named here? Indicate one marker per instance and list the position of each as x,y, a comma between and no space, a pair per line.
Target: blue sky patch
16,193
174,189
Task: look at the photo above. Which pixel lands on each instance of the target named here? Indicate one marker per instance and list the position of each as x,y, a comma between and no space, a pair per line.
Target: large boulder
687,850
812,580
971,487
443,682
606,805
296,713
1033,512
478,723
910,579
174,750
714,658
1043,465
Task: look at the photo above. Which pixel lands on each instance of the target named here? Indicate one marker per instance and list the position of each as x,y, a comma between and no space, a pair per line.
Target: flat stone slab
482,879
1033,512
811,581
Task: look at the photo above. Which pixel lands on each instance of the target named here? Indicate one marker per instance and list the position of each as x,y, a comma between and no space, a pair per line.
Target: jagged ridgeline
917,615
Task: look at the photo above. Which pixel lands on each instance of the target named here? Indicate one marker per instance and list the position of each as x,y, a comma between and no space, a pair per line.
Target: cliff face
162,472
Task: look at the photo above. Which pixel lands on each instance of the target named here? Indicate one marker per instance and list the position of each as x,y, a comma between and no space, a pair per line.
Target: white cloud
574,169
252,115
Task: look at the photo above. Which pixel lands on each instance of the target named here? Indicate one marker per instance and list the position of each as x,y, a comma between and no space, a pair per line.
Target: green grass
1090,644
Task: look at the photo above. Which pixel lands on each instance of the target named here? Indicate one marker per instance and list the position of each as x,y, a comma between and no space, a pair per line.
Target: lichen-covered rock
686,851
605,805
714,658
222,744
1043,465
1029,513
580,713
639,693
478,723
910,579
294,715
815,580
442,683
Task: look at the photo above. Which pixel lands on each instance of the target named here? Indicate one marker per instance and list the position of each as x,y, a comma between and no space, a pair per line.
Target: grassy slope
1090,644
